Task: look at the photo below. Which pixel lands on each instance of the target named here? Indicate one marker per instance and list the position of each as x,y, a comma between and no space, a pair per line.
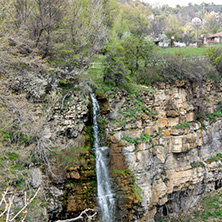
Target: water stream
104,191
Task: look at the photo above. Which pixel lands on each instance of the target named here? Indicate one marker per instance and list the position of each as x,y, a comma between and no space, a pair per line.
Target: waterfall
104,191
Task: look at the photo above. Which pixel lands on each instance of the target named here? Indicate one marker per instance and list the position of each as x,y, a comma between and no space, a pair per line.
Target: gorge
165,147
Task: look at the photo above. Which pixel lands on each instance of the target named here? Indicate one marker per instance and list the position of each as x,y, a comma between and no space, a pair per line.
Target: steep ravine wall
165,137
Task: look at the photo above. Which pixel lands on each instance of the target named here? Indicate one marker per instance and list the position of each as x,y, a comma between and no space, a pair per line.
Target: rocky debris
56,196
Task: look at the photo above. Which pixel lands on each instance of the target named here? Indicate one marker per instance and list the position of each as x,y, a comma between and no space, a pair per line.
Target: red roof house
216,38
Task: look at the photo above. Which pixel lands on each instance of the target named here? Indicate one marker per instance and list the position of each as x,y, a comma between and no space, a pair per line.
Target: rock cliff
165,151
170,138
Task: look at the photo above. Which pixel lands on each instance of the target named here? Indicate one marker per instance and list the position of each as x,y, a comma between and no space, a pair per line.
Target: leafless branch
9,203
3,196
26,204
81,216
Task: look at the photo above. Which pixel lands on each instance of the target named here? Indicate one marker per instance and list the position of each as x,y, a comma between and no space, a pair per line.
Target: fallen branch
27,203
81,216
3,196
8,205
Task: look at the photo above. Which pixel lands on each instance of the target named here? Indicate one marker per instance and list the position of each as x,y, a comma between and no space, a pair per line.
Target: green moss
89,136
125,182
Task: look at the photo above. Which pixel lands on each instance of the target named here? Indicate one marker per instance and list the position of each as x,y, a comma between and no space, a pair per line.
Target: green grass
187,51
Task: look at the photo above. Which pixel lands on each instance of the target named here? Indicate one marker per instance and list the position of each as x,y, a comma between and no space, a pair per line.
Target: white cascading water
104,191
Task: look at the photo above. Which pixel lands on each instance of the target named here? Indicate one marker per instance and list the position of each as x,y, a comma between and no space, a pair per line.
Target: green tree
130,55
138,24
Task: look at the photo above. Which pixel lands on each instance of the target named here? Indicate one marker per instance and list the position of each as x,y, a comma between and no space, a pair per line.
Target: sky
173,3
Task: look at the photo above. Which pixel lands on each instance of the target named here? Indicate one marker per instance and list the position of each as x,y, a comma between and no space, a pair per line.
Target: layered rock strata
170,137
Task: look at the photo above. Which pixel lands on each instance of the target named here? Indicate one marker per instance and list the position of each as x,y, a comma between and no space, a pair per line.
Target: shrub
174,67
215,56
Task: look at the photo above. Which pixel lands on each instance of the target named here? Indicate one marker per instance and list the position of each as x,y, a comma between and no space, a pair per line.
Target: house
215,38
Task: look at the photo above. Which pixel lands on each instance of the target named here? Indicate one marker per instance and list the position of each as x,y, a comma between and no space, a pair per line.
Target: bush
175,67
170,67
215,56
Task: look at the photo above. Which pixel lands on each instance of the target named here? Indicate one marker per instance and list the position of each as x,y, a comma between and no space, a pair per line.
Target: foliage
202,164
175,67
144,137
215,56
70,157
213,116
130,140
125,58
166,179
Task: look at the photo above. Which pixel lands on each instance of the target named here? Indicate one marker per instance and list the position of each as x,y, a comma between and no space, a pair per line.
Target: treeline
69,32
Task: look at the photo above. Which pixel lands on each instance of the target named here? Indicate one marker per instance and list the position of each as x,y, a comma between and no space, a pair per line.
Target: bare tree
7,203
87,32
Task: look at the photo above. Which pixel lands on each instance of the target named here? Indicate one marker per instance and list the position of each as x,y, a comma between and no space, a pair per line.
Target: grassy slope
187,51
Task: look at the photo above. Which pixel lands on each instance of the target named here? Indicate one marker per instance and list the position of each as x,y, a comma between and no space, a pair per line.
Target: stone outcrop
70,117
166,138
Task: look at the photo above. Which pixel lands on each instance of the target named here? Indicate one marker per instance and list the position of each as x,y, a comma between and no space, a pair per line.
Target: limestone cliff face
168,139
